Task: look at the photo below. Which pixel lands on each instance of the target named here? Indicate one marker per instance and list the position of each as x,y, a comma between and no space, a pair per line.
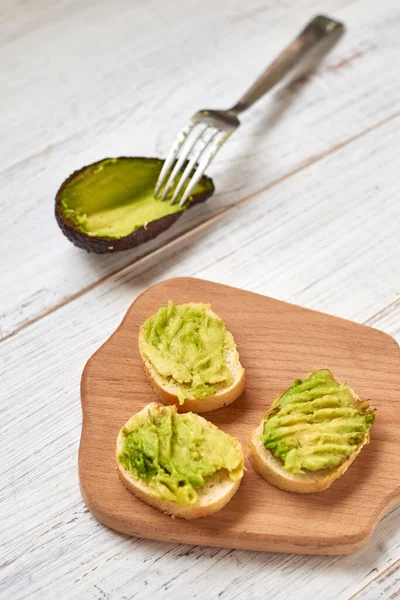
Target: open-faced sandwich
190,358
311,434
179,463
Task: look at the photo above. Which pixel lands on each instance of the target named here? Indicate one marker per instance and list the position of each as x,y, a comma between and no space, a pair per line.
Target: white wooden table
307,210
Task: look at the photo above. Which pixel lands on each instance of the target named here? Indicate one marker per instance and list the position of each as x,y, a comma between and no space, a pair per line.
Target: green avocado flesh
188,346
316,424
115,197
174,453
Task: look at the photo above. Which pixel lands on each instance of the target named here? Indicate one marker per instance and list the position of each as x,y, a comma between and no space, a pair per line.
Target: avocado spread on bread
316,424
188,345
174,453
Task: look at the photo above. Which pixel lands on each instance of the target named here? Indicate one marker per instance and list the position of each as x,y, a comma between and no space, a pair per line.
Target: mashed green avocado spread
189,346
173,453
316,424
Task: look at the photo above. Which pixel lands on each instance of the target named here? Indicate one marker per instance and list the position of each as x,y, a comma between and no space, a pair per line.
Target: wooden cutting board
277,342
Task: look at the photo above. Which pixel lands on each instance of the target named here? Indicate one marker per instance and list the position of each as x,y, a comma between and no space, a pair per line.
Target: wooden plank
92,112
385,585
266,245
88,94
133,59
20,19
56,529
387,318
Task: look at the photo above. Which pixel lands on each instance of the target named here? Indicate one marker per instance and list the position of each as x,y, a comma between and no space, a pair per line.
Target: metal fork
203,136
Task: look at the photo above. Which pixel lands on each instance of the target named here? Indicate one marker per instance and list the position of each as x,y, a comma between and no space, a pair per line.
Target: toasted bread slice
271,468
167,389
216,492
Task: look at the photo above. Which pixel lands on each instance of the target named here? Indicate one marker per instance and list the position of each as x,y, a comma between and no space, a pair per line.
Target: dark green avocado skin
103,245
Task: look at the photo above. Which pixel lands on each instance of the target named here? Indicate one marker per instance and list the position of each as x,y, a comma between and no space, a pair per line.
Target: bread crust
212,497
270,467
164,389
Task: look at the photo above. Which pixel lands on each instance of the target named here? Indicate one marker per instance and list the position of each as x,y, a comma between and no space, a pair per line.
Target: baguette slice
167,389
216,492
270,467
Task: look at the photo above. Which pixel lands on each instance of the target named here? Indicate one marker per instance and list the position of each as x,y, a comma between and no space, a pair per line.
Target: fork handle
318,29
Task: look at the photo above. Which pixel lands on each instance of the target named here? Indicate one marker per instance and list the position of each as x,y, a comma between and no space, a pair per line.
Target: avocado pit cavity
110,206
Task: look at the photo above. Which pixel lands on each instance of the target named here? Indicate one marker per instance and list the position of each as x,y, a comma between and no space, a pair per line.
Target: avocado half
109,205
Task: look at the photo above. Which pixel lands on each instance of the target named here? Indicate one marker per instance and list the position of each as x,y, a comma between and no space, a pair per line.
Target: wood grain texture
385,585
81,81
131,95
56,528
352,270
277,343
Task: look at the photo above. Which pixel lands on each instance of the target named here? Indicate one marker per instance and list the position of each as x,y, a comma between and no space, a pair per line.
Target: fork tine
184,152
179,141
203,164
191,166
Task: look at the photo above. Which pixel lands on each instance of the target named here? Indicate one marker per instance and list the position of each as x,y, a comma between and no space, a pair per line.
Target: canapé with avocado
178,463
191,358
311,434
